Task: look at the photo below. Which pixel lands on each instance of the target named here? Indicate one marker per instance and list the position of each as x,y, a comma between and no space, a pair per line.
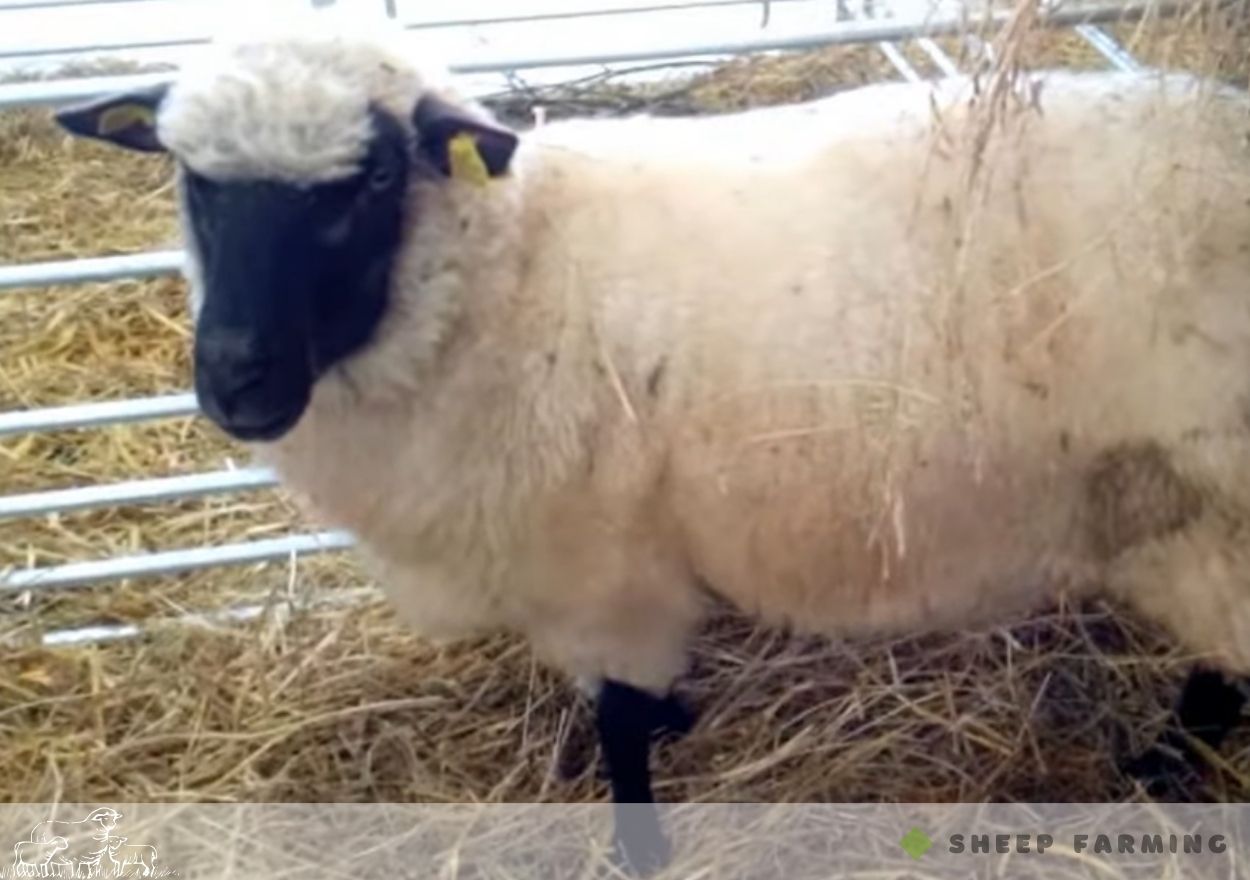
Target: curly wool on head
287,102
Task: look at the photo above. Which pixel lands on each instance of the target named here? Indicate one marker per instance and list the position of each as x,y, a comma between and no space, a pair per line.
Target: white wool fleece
782,355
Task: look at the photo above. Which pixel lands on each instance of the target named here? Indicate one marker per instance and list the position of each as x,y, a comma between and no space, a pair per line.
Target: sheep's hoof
639,845
1209,709
1164,774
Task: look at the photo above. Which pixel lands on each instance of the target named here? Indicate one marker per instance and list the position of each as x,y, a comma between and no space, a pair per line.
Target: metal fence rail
886,34
135,492
15,5
98,415
112,632
438,24
870,31
77,574
83,270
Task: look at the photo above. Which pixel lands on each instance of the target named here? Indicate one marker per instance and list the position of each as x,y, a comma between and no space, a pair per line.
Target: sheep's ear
439,122
127,120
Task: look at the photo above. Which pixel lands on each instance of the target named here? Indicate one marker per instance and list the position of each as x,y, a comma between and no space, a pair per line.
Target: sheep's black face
294,280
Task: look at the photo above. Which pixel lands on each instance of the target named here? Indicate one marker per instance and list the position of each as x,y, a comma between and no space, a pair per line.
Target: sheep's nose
228,346
251,392
230,365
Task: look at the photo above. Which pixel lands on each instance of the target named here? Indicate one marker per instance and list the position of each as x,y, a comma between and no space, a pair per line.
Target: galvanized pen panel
791,24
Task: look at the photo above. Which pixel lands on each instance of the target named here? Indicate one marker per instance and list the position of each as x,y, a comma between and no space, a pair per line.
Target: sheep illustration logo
84,848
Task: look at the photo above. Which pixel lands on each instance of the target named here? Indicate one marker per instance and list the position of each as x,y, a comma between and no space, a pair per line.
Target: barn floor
341,704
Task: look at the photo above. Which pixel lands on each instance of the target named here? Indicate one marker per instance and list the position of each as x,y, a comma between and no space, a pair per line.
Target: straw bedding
340,703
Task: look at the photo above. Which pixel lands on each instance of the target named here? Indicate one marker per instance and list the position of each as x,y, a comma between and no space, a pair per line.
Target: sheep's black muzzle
253,346
254,334
249,393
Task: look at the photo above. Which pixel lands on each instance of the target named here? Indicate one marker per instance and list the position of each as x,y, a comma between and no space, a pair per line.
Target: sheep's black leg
1208,709
626,719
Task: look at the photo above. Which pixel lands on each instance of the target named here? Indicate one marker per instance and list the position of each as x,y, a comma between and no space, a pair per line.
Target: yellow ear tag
123,116
465,160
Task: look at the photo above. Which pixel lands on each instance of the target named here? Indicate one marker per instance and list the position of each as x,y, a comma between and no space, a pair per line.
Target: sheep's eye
381,178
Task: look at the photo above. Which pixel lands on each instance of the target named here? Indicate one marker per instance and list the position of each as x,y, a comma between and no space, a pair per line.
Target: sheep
562,384
31,859
123,855
85,838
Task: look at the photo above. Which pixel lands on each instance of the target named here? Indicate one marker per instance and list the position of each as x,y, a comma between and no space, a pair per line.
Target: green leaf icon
916,843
